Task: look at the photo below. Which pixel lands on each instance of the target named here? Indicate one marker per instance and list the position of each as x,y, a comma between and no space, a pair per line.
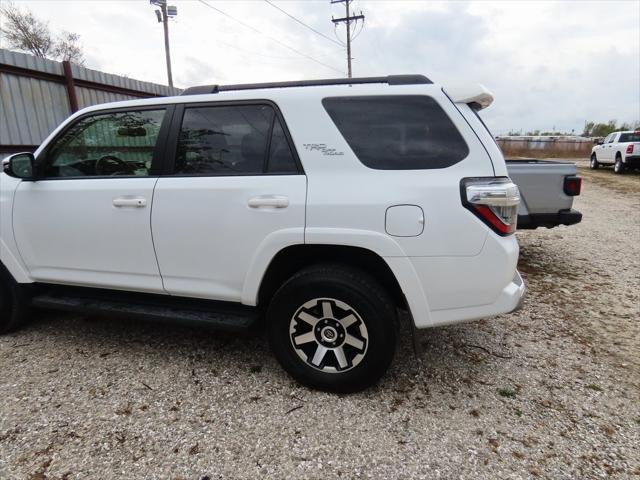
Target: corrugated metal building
36,95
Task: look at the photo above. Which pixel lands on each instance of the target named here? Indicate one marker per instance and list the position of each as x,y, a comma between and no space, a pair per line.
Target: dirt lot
552,391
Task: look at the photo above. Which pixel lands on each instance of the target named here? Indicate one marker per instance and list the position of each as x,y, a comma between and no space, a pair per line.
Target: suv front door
233,197
86,220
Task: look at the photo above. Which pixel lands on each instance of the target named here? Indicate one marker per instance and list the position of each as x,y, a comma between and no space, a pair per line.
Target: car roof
468,93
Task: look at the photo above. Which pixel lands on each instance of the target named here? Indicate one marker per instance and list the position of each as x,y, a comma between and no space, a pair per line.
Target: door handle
135,202
270,201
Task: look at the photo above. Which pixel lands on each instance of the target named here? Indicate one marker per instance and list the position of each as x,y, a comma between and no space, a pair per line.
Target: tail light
630,148
572,185
493,200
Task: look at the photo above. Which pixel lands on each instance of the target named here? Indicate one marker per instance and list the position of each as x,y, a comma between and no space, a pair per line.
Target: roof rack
390,79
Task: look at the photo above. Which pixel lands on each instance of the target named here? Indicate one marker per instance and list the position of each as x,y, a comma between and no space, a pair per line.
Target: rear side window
232,140
630,137
407,132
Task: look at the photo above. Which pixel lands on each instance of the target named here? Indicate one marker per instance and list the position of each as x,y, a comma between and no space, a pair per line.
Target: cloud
548,63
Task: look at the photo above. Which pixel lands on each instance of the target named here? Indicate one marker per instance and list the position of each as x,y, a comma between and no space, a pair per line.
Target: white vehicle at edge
620,149
321,207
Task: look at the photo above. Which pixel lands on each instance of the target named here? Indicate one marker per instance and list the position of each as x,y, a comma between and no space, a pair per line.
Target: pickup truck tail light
630,148
493,200
572,185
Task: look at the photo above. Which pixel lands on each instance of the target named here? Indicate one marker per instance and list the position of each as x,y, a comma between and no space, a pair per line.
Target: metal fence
36,95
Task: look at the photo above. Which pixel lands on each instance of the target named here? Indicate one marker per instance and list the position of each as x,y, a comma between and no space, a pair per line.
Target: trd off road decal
321,147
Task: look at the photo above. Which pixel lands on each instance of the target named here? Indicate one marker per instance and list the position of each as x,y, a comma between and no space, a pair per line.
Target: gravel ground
552,391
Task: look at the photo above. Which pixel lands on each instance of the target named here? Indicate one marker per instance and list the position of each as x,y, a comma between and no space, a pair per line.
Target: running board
226,316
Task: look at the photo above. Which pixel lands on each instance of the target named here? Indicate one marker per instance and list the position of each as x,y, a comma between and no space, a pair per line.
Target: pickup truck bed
544,202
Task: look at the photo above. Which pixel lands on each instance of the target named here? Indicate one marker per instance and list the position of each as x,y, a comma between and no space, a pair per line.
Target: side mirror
599,141
20,165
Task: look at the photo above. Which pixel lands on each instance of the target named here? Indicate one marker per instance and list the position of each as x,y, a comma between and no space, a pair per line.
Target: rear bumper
632,161
549,220
449,290
511,299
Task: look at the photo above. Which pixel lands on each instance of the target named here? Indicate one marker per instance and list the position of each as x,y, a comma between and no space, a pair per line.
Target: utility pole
348,18
163,16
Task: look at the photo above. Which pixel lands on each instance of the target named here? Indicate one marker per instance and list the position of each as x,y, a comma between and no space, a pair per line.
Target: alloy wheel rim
329,335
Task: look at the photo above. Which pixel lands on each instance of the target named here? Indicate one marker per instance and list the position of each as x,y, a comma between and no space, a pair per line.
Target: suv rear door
86,218
234,192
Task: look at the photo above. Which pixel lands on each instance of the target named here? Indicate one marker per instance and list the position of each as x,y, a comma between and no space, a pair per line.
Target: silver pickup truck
547,189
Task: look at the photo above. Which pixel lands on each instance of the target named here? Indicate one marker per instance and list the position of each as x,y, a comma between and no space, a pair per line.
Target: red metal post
71,88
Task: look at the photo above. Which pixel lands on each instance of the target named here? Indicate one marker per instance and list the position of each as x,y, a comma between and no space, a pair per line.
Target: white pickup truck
316,207
620,149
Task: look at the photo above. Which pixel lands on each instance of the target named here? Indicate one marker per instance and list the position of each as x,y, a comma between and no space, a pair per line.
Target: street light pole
165,21
163,16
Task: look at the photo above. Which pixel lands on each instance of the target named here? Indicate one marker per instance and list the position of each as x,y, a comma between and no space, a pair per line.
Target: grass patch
507,392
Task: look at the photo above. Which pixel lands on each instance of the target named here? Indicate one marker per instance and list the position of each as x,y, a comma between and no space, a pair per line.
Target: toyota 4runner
321,207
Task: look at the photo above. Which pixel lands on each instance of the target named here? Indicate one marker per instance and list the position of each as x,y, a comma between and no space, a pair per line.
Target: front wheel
618,167
333,328
594,164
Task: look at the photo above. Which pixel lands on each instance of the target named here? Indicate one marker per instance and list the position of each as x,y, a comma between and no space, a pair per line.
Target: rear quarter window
399,132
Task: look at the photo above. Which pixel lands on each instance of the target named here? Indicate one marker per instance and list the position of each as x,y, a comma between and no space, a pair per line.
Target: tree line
591,129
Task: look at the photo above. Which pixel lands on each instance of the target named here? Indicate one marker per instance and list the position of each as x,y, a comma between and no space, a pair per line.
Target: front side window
397,132
611,138
107,144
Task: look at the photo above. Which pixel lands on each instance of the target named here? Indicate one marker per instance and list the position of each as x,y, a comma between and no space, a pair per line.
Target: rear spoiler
469,93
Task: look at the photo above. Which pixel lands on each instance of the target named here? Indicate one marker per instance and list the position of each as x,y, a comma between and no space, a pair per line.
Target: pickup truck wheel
594,162
13,306
333,328
618,167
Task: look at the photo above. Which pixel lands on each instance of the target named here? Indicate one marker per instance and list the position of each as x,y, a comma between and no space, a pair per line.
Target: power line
269,36
303,24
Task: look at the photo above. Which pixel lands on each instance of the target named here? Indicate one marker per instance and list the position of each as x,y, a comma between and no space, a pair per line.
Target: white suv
321,207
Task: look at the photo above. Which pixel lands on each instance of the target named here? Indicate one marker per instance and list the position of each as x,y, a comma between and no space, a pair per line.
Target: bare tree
23,31
67,47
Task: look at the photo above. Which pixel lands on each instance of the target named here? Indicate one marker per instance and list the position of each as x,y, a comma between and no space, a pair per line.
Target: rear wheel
332,327
594,164
13,304
618,167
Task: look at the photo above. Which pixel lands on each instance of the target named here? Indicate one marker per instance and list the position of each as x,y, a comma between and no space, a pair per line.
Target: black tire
364,332
14,303
594,164
618,167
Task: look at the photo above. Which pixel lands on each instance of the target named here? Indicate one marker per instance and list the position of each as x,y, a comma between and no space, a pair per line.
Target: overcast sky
549,64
